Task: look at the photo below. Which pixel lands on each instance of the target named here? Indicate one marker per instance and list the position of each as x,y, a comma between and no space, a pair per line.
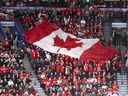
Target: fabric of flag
53,39
35,54
99,53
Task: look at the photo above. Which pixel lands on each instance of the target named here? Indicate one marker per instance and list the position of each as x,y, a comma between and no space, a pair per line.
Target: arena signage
7,23
119,25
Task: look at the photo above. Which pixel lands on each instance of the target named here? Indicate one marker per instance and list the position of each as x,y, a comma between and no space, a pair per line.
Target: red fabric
90,69
62,69
58,41
68,43
35,54
114,87
98,53
4,70
6,44
72,43
58,68
36,33
86,68
99,79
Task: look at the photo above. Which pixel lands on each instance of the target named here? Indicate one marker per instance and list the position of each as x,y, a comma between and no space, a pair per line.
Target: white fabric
47,43
42,76
91,80
10,82
83,21
104,87
48,56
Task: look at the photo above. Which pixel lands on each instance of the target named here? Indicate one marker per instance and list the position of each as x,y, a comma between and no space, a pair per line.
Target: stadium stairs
35,82
122,79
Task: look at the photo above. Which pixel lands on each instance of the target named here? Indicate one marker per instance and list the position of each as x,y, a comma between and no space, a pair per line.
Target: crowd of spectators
61,75
50,3
14,79
88,22
85,23
58,74
64,3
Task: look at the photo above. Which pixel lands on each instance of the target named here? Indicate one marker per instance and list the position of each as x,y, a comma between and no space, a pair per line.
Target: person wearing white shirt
10,83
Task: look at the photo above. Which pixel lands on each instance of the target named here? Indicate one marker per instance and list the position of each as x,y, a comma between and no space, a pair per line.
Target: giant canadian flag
51,38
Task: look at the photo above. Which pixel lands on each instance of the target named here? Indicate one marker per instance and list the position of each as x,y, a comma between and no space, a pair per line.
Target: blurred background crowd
61,75
64,3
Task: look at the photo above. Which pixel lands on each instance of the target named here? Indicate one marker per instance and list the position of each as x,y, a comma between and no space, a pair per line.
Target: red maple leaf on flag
69,43
58,41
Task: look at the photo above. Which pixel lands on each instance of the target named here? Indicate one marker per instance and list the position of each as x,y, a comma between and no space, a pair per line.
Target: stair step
122,80
123,88
38,88
35,82
123,83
